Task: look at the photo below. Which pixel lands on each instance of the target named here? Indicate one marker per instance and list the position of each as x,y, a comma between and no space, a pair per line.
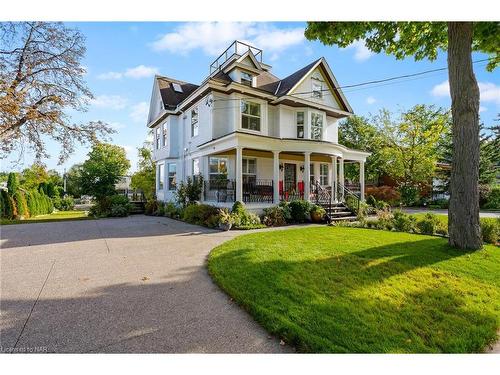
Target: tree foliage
145,178
12,183
105,165
73,176
41,76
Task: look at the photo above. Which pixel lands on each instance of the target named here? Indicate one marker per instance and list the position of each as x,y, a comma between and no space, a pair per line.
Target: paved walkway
445,212
137,284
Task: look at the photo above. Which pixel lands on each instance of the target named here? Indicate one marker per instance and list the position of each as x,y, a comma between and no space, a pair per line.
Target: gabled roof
289,82
170,97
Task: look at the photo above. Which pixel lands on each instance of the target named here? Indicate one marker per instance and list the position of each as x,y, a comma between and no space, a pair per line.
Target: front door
290,177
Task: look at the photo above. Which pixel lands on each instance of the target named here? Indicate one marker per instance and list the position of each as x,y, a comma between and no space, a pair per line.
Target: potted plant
317,213
226,219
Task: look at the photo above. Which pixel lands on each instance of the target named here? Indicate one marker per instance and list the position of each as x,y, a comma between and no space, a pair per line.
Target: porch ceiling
298,156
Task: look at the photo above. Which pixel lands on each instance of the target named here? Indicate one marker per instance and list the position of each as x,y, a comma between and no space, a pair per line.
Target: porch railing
258,191
219,190
344,194
290,191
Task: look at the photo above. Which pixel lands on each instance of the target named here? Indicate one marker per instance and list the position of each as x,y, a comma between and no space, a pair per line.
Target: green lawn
338,289
56,216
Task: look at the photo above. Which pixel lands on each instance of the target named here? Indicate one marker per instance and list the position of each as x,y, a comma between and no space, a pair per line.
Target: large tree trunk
463,225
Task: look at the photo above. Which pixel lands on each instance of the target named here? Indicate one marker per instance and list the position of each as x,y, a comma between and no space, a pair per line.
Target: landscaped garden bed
339,289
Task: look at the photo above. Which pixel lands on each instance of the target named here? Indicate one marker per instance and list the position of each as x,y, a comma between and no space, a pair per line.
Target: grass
338,289
56,216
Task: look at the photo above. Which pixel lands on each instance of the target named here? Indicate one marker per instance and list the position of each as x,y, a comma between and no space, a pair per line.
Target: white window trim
158,137
323,124
218,165
168,176
323,175
164,135
261,117
248,74
160,182
304,123
197,122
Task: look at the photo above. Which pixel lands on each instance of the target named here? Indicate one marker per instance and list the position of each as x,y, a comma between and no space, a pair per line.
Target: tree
32,177
73,176
360,133
40,77
145,178
423,40
12,183
102,170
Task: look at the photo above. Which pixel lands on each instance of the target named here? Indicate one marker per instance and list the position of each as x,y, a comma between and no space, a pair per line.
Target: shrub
12,183
119,211
243,218
7,208
275,216
403,222
64,204
493,199
299,210
384,193
429,224
21,204
151,206
484,193
385,219
199,214
409,195
172,211
189,191
439,203
161,209
490,230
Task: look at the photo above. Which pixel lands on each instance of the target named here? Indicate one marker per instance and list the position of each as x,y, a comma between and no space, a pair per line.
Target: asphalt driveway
136,284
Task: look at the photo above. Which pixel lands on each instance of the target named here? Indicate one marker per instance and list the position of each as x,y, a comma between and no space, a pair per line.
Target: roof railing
236,48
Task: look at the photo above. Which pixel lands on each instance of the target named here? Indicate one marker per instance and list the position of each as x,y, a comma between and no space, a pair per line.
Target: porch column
306,174
276,177
239,173
341,178
362,180
334,178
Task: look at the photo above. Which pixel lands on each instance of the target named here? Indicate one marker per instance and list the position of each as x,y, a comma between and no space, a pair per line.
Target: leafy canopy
402,39
105,165
145,178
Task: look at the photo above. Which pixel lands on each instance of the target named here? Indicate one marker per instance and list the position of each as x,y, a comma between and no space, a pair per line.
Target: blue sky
122,59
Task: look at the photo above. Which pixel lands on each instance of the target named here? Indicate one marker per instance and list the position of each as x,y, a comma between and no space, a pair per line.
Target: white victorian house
254,137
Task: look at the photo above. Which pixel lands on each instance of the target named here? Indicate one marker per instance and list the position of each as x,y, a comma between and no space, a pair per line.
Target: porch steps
338,212
137,207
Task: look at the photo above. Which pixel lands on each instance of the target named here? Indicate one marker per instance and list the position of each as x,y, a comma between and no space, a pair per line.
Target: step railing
344,193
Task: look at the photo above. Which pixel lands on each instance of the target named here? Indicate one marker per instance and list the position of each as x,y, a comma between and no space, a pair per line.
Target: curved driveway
136,284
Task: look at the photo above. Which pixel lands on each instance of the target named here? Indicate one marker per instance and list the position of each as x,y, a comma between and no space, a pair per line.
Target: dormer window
246,79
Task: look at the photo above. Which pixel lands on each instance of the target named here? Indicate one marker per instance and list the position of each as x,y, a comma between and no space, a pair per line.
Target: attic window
246,79
177,87
317,90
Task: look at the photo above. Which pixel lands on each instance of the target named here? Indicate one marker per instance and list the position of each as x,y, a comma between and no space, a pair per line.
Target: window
250,115
157,138
300,124
194,122
177,87
316,126
249,170
164,138
161,176
317,90
246,79
172,176
196,167
217,166
311,173
323,174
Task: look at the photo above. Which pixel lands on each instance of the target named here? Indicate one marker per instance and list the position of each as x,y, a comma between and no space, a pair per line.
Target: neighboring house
252,136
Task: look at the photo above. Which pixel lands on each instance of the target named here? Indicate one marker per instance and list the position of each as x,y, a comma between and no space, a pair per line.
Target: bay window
160,176
250,115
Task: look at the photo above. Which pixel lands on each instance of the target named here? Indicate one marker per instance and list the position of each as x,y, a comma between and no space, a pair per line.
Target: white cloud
139,112
482,109
109,101
371,100
489,92
140,71
214,37
361,52
117,125
110,75
442,89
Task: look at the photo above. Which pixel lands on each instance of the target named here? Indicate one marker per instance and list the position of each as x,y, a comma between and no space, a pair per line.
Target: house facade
253,137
